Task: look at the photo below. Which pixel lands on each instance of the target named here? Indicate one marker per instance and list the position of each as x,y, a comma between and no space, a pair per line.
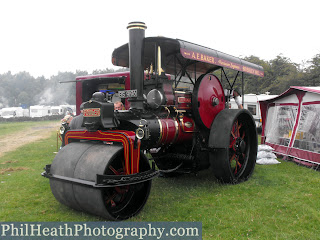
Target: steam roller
83,161
175,111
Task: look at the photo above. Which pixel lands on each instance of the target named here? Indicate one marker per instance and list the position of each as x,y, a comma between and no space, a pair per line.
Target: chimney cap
136,25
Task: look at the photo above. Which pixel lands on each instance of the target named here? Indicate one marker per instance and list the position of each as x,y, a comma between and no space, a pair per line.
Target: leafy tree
283,71
23,98
255,84
314,71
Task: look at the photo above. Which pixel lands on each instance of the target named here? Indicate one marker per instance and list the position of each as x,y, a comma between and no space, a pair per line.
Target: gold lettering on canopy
197,56
252,71
220,62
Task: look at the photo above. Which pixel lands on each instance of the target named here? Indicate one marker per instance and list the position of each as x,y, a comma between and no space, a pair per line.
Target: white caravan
12,112
62,109
40,111
251,103
57,110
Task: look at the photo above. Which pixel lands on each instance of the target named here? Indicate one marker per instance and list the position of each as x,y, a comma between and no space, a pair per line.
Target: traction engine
176,114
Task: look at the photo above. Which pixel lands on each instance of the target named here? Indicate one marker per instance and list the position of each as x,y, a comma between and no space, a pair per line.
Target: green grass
278,202
12,127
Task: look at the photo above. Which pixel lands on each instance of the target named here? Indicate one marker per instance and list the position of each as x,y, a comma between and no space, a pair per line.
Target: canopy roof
177,53
291,90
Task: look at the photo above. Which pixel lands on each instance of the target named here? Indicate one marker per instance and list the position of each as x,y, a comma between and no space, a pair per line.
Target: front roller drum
233,142
84,161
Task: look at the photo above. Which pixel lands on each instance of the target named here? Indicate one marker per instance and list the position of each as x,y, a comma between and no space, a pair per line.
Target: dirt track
13,141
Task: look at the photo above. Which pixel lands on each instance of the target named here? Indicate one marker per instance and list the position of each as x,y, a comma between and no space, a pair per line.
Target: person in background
65,125
118,106
236,96
67,118
76,122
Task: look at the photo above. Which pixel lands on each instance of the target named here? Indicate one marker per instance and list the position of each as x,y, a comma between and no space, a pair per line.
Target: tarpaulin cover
291,124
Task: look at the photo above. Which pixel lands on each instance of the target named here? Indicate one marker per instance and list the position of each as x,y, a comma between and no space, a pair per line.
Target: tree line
279,74
22,89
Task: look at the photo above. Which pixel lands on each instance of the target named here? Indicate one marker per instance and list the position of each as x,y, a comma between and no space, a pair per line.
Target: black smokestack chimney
136,61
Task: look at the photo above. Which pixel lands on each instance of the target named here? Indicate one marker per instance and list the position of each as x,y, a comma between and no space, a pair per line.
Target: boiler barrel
84,160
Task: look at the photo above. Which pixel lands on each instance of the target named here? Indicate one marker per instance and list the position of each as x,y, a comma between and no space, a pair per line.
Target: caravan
57,110
40,111
63,109
12,112
251,103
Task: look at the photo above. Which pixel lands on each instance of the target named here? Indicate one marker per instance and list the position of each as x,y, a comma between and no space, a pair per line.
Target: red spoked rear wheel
237,148
233,139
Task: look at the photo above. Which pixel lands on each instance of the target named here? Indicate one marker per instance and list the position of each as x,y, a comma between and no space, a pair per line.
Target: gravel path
13,141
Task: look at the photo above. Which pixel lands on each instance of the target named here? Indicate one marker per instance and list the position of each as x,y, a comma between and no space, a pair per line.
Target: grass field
12,127
278,202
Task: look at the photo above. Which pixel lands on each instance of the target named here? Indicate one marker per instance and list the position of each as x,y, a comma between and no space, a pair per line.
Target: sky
44,37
